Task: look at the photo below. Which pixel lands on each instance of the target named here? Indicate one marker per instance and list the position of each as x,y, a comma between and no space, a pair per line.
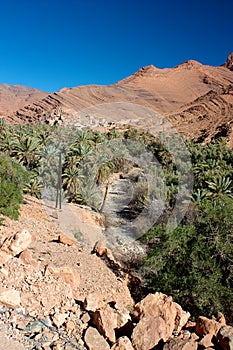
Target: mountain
196,98
14,97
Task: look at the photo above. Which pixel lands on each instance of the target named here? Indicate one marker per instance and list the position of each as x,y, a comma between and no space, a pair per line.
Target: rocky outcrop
229,62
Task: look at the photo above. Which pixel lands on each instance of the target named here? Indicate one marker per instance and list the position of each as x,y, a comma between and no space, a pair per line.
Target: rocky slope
196,98
14,97
56,294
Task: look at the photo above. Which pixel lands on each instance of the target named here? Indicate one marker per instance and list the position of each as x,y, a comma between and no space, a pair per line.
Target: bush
12,178
194,263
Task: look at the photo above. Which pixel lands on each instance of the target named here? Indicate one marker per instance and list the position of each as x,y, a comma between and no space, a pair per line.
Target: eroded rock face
229,62
225,337
158,317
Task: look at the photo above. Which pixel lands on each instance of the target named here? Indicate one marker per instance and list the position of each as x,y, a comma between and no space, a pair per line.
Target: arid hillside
14,97
196,98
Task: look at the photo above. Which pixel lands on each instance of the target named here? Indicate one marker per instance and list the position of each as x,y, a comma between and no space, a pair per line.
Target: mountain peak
229,62
189,64
147,71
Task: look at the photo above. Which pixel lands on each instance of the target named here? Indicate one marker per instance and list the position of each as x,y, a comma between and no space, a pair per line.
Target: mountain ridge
182,94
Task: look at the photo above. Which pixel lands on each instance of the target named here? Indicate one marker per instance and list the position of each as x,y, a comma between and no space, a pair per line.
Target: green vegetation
193,262
12,178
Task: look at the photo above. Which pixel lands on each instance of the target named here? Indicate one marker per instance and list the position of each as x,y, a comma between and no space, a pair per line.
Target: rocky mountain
14,97
196,98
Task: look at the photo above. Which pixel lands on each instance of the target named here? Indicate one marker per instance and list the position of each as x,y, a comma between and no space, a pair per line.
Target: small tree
12,178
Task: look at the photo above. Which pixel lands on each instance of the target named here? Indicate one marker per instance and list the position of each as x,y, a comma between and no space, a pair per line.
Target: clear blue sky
50,44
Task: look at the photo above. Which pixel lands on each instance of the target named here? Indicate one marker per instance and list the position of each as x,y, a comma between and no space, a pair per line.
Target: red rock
20,242
94,341
180,344
66,240
122,343
10,297
105,320
206,341
158,317
148,332
205,325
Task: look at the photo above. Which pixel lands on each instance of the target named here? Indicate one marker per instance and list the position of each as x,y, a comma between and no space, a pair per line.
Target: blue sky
50,44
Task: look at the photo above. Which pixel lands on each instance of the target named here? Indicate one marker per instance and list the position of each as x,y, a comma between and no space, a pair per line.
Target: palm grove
193,262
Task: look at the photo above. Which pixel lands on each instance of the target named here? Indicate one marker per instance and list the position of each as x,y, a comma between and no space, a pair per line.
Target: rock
94,341
66,273
105,320
4,257
229,62
206,341
66,240
20,242
158,317
122,343
10,297
180,344
100,248
205,325
85,318
91,302
26,258
225,337
59,319
148,332
181,317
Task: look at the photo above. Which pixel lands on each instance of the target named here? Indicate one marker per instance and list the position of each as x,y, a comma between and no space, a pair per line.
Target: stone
148,332
181,317
180,344
206,341
100,248
91,302
59,319
105,321
158,317
66,240
225,337
66,273
26,258
123,343
205,325
20,242
10,297
95,341
85,317
4,257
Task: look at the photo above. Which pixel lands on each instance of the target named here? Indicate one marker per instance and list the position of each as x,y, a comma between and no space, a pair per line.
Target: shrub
12,178
194,263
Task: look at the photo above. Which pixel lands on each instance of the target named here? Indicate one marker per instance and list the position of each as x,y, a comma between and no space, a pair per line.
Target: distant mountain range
196,98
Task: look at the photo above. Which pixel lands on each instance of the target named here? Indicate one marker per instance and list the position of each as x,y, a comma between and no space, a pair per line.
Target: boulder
10,297
91,302
158,318
123,343
148,332
66,273
20,242
105,321
225,337
180,344
206,341
205,325
95,341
